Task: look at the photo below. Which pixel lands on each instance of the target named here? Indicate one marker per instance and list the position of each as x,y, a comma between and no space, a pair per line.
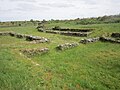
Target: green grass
94,66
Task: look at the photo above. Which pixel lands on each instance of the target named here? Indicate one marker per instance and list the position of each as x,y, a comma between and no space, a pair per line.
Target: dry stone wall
35,51
89,40
4,33
102,39
36,39
115,35
74,30
108,39
79,34
69,33
67,46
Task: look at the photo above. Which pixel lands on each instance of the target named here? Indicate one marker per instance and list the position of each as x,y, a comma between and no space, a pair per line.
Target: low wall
78,34
66,46
89,40
36,39
35,51
115,35
74,30
108,39
69,33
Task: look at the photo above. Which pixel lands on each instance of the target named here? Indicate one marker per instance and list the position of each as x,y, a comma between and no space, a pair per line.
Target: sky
56,9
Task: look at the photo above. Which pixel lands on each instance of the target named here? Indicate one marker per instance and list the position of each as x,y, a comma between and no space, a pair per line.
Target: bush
56,28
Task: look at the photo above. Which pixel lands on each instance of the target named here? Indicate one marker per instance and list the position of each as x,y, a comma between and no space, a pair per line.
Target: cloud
23,7
57,5
20,0
91,2
30,7
56,9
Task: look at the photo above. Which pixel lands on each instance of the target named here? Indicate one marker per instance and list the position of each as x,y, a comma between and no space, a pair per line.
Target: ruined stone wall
102,39
89,40
115,35
4,33
66,46
35,51
69,33
74,30
36,39
78,34
108,39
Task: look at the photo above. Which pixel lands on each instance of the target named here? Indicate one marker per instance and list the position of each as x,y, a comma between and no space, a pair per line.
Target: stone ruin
41,30
41,27
66,46
17,35
113,38
73,30
102,39
89,40
37,39
4,33
79,34
109,39
53,32
115,35
35,51
34,39
66,31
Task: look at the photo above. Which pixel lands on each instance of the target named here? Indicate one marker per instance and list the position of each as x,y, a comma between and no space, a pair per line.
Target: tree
31,20
43,21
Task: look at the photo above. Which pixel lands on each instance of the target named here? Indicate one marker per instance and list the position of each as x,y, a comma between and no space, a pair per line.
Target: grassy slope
93,66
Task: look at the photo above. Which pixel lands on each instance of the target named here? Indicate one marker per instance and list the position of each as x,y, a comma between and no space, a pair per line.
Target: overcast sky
56,9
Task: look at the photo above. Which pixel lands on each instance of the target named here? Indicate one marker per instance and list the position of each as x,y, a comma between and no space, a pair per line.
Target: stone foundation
108,39
4,33
69,33
89,40
36,39
115,35
67,46
35,51
73,30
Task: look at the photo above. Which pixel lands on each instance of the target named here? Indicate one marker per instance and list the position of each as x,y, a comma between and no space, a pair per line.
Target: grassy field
94,66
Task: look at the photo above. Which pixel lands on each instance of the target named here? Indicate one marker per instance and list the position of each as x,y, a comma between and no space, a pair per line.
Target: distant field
94,66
